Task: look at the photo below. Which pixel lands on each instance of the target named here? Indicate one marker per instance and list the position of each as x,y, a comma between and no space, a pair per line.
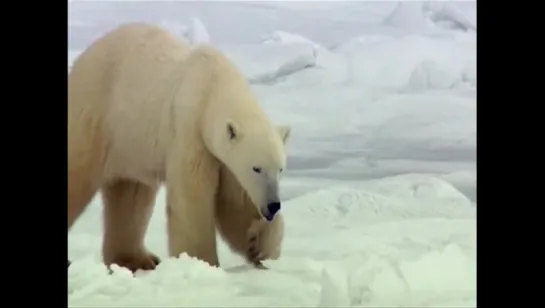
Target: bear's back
125,78
139,111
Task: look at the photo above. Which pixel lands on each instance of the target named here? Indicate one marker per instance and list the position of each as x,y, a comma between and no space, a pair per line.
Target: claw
260,265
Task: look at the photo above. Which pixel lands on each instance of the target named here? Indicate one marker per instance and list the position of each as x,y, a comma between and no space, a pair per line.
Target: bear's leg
128,207
83,183
84,175
85,162
248,234
233,223
191,191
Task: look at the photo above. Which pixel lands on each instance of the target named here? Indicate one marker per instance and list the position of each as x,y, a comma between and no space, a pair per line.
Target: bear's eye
256,169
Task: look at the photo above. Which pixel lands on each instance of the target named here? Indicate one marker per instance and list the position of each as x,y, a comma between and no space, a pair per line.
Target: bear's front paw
141,261
253,255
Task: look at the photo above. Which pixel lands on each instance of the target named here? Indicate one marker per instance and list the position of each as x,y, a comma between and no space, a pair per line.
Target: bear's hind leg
128,206
83,183
85,159
84,179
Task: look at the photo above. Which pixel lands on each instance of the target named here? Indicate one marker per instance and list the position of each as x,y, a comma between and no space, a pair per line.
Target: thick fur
144,109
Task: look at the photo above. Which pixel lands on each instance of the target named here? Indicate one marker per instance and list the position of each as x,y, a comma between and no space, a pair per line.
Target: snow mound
421,16
286,38
383,63
424,129
392,198
161,287
195,34
449,16
263,64
408,15
461,177
334,283
198,33
420,188
446,275
410,63
327,66
390,261
176,28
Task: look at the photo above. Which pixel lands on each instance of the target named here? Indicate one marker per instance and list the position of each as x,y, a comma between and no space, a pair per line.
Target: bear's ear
284,132
233,133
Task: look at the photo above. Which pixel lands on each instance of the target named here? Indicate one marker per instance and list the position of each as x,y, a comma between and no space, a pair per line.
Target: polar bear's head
256,156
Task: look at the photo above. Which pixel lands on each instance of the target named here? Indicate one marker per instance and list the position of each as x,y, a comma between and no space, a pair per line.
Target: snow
408,14
381,183
198,34
269,63
375,247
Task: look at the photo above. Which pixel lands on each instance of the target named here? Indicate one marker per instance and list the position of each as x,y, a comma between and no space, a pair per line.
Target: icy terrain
381,182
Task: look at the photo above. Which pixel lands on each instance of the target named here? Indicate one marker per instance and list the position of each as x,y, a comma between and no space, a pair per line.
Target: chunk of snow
446,12
408,15
334,285
175,27
198,33
410,63
284,38
269,63
329,66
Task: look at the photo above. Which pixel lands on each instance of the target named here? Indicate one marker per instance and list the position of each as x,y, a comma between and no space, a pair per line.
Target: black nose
273,207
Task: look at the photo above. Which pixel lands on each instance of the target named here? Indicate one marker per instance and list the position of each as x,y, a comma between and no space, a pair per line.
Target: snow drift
379,61
376,249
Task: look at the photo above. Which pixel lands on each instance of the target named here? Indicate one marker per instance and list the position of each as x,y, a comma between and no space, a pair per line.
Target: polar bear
145,109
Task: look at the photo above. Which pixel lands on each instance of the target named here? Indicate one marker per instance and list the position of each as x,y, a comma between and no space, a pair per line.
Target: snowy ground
381,181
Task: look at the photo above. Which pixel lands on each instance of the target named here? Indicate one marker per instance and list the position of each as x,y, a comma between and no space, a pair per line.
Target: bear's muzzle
271,210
